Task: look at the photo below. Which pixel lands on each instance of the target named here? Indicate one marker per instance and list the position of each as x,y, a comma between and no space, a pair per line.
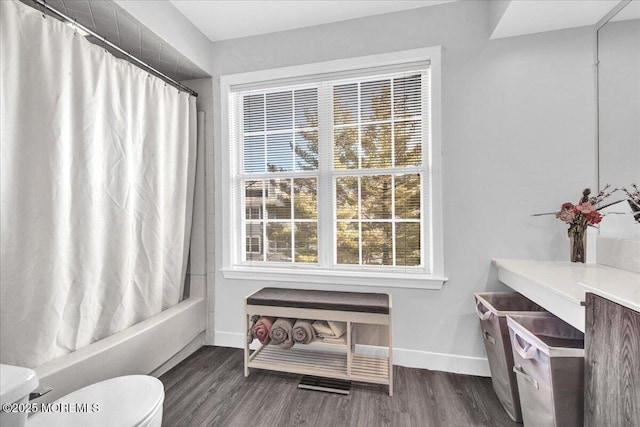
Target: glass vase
635,209
578,244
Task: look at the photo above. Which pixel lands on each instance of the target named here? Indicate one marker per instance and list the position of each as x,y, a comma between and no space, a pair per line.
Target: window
377,168
253,246
334,173
278,132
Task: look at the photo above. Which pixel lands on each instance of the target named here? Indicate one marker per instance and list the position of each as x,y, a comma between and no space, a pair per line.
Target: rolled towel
338,328
281,333
322,328
303,332
329,329
261,329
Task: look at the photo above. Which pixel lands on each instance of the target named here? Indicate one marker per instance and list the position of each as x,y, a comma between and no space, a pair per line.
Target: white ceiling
537,16
630,11
225,19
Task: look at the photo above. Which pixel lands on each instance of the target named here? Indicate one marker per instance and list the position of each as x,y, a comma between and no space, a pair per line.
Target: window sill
336,277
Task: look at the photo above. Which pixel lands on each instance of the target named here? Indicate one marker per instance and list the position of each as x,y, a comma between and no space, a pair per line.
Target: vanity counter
560,286
627,294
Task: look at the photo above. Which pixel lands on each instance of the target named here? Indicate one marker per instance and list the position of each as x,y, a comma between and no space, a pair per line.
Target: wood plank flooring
209,389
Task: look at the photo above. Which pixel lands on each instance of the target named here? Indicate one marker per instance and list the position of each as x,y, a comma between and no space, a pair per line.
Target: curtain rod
140,63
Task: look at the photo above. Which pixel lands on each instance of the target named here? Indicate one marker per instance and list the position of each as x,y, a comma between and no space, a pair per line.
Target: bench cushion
322,300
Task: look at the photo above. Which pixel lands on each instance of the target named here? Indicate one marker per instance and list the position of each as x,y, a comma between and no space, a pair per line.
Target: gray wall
619,99
518,138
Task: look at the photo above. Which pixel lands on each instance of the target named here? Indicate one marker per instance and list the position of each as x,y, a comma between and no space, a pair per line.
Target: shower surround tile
112,22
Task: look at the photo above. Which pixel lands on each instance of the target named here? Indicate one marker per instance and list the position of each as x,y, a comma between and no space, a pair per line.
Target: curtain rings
44,8
75,27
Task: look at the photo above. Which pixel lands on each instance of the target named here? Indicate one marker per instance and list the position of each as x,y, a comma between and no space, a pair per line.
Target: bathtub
144,348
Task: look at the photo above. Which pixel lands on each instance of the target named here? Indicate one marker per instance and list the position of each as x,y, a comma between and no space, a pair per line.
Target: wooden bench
368,320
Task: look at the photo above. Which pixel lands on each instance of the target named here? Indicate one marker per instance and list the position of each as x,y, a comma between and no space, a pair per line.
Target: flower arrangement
634,200
580,216
584,213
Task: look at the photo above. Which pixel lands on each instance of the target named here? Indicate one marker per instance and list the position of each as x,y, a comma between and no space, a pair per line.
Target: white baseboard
210,339
228,339
467,365
444,362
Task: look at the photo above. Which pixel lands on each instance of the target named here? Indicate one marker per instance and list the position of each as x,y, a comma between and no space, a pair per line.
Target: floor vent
328,385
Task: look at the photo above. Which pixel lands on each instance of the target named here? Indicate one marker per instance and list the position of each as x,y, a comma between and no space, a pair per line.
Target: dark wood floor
209,389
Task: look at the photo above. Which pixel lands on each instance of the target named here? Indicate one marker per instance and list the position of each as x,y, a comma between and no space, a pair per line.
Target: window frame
328,272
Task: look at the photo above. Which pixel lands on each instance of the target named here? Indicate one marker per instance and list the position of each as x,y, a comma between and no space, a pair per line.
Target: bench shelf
330,360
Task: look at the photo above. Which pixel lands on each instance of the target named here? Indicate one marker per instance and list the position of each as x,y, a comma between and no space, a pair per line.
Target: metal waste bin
492,309
548,358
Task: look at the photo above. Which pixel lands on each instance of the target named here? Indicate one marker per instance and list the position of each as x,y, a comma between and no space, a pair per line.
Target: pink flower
566,215
567,206
585,208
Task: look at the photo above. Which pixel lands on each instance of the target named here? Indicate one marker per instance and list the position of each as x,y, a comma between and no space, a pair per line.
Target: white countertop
560,286
624,293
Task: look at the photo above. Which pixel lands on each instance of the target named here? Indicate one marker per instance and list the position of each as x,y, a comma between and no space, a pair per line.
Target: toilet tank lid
16,382
130,400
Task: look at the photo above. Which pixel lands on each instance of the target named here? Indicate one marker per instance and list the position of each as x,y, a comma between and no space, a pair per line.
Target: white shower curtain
97,174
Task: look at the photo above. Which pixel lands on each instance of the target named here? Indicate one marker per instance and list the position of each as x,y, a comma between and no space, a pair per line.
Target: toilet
132,400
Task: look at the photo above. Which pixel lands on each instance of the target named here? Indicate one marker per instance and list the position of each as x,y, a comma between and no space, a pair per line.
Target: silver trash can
492,309
548,356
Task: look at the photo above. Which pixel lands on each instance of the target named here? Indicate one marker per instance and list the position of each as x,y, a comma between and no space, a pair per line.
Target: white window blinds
279,130
334,173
